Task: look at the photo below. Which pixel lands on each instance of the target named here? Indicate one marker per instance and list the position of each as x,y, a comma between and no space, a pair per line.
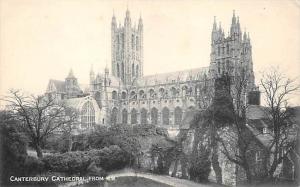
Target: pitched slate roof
256,112
59,85
179,76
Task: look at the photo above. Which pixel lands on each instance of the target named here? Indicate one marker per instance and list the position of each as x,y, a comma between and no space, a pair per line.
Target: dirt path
159,178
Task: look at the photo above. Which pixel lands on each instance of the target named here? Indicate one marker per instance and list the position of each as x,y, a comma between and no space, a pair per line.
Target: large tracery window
87,115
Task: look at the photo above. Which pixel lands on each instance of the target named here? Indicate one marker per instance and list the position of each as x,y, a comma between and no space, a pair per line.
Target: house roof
256,112
257,118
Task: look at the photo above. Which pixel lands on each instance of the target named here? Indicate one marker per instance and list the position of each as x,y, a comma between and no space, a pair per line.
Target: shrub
33,165
200,166
108,158
70,162
14,159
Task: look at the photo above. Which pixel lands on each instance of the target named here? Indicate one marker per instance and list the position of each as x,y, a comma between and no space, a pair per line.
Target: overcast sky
40,40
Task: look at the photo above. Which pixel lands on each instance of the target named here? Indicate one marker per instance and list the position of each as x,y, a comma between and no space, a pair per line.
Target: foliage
39,115
108,158
165,152
200,166
277,89
71,162
14,160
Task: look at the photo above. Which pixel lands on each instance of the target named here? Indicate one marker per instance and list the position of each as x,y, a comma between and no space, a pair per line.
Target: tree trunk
248,175
70,143
39,151
216,165
175,168
183,163
215,157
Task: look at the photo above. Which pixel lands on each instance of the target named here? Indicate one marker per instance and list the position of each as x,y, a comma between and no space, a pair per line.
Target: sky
42,40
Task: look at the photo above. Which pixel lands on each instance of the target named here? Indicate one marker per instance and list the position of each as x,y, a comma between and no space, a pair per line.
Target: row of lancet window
143,115
120,70
223,66
173,92
223,50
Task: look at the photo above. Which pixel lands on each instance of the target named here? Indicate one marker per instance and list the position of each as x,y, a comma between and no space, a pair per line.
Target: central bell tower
127,49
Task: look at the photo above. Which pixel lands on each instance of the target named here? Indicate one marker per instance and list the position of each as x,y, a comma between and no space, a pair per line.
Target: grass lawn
130,182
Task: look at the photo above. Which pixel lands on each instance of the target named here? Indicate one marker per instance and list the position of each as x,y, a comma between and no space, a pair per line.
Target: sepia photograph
149,93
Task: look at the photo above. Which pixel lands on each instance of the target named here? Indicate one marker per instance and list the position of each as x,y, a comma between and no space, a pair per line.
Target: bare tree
277,89
281,140
39,115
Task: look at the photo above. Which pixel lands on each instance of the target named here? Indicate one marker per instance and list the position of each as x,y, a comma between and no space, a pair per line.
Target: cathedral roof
74,102
191,74
59,85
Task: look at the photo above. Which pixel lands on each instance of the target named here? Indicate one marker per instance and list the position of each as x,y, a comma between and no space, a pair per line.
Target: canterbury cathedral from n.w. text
124,95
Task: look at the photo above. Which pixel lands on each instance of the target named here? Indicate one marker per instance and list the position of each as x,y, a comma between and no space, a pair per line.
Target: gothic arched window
173,92
184,90
124,95
227,49
142,94
87,115
118,70
122,70
166,116
114,115
161,92
124,116
177,115
154,116
133,95
219,50
227,65
114,95
137,43
151,93
133,116
143,116
137,70
132,70
219,67
132,41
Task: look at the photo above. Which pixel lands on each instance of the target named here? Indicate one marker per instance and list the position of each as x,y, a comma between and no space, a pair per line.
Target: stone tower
231,55
127,49
71,86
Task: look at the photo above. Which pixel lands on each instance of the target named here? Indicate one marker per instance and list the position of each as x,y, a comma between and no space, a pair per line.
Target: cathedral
124,95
